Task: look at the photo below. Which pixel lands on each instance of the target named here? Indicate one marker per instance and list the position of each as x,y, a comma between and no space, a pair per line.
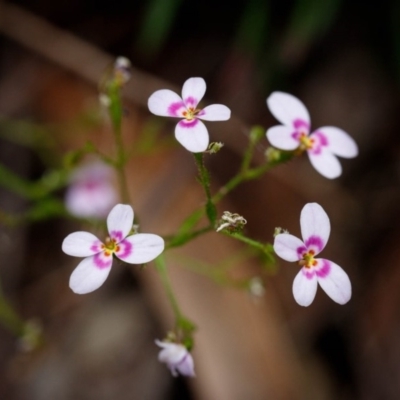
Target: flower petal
334,281
193,135
193,91
287,109
177,358
339,142
140,248
281,137
315,227
166,103
305,287
120,221
325,163
81,244
288,247
215,112
186,366
172,353
87,276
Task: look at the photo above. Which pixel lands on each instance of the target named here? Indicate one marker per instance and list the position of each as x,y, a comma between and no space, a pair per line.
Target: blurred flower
322,146
93,270
315,230
190,132
256,287
92,192
116,76
177,358
122,70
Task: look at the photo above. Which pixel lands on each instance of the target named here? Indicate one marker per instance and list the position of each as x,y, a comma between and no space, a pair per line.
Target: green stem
245,174
250,242
204,178
116,114
179,240
9,318
162,271
184,328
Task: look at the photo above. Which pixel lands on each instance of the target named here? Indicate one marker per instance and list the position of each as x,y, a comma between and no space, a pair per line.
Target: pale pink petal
120,221
315,227
186,366
289,247
177,358
166,103
282,137
339,142
334,281
140,248
172,353
87,276
215,112
193,91
287,109
305,287
192,135
325,163
91,199
81,244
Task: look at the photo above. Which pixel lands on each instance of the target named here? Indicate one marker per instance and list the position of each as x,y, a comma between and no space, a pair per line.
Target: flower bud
177,358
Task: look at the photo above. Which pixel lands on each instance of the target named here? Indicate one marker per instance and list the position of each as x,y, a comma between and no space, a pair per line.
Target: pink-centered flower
92,192
93,270
177,358
190,131
315,230
322,145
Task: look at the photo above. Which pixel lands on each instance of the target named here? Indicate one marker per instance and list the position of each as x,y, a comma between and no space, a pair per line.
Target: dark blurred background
342,59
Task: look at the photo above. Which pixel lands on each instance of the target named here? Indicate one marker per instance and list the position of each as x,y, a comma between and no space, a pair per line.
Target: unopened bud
278,230
256,287
214,147
122,70
272,154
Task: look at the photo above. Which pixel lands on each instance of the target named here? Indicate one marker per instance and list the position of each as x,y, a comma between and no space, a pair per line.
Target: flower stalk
183,326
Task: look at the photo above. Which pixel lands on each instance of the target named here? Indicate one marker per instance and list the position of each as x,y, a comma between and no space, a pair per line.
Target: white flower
91,193
315,230
190,132
322,145
177,358
93,270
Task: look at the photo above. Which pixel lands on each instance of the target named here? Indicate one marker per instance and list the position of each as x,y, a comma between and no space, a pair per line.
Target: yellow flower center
110,246
305,141
190,113
308,260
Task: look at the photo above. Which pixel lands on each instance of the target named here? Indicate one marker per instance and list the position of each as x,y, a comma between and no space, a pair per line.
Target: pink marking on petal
174,108
309,274
323,140
301,250
191,101
296,135
125,249
315,241
325,270
96,246
320,141
101,260
300,124
188,124
201,113
117,235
